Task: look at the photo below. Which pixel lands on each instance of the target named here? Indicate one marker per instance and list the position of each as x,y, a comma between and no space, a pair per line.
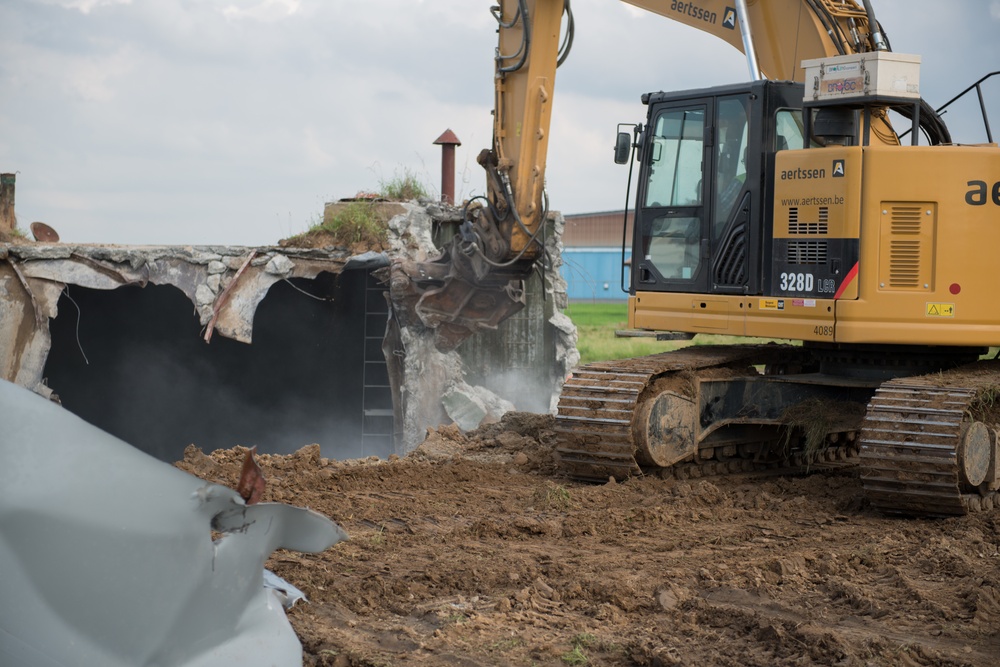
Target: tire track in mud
455,561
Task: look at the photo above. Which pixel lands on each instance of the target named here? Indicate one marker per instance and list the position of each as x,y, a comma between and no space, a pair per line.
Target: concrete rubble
433,383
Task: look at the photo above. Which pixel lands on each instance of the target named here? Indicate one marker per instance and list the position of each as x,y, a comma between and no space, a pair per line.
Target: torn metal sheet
109,559
286,593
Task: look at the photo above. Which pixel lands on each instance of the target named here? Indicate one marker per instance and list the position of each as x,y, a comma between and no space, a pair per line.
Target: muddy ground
473,550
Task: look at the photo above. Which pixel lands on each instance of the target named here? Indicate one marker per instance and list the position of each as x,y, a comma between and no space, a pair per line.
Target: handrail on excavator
982,104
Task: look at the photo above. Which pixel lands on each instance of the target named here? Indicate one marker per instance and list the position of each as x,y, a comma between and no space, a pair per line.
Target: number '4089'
796,282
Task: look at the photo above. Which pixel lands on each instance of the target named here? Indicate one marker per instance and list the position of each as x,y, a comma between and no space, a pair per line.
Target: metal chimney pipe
448,141
7,219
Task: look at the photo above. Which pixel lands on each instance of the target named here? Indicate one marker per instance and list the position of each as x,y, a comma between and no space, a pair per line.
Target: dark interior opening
132,362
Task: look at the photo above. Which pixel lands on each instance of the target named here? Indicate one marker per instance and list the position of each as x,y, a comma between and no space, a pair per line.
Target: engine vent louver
807,252
907,245
821,227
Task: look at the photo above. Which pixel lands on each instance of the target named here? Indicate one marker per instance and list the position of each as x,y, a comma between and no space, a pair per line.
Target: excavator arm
784,32
777,35
477,280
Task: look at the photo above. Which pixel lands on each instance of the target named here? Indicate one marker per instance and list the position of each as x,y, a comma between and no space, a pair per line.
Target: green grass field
597,322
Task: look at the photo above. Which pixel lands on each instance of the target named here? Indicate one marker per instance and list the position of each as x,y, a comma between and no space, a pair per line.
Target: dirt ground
473,550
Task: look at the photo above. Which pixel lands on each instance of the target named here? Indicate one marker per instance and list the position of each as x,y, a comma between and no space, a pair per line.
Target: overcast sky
220,121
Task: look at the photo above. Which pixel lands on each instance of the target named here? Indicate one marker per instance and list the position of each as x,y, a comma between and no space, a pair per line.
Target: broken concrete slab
33,276
470,406
113,564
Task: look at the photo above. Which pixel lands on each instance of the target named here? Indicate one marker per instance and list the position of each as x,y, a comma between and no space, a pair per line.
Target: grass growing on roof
353,222
402,187
358,221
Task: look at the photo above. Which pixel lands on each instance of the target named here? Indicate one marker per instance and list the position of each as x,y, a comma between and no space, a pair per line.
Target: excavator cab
704,199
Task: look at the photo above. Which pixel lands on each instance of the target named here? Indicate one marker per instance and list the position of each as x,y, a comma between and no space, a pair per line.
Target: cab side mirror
622,146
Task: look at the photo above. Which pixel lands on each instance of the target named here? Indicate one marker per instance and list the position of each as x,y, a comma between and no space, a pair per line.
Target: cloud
995,9
171,121
266,11
96,79
86,6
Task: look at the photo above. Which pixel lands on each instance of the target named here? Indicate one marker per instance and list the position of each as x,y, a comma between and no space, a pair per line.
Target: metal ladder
377,415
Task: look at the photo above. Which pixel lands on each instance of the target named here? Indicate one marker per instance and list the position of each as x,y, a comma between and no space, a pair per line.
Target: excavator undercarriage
926,443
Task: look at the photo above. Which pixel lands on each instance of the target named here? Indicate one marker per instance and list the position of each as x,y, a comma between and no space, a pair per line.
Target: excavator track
831,458
924,451
597,405
927,445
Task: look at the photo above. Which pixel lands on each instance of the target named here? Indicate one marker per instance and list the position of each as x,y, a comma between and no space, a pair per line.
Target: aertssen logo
729,18
693,10
799,173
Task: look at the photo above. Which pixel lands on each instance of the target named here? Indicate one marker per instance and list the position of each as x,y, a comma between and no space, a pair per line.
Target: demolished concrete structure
522,364
297,346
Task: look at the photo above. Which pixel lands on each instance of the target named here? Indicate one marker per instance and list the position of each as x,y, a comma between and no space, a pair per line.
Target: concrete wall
300,352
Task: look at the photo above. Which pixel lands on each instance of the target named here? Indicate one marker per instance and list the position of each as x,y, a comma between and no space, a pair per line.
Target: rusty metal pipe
448,141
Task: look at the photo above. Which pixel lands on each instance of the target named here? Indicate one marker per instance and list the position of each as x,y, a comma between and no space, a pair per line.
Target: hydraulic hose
874,30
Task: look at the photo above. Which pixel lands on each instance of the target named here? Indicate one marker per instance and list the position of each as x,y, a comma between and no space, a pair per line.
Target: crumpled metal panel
108,559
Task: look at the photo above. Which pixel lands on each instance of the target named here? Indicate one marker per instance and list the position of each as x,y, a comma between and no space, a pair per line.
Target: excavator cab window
702,213
675,158
788,129
730,163
674,194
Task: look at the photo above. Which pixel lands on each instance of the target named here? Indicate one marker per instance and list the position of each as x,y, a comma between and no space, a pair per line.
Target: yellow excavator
786,207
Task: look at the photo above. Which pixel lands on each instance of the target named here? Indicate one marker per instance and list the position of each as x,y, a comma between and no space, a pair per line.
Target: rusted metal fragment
44,233
252,484
24,343
224,297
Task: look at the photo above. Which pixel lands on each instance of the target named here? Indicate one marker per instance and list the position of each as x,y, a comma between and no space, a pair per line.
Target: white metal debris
109,559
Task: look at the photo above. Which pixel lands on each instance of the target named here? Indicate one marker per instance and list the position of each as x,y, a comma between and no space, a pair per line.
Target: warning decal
940,310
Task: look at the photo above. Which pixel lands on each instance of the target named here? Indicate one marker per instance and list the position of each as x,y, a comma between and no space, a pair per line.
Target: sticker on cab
940,309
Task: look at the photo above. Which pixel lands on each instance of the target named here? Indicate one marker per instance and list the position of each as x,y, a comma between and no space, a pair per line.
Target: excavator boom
785,32
477,280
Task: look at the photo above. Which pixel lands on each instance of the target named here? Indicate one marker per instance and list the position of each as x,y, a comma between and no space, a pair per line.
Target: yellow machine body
924,218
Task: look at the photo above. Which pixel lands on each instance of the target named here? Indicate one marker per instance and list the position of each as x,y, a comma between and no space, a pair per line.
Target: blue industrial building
592,256
595,274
